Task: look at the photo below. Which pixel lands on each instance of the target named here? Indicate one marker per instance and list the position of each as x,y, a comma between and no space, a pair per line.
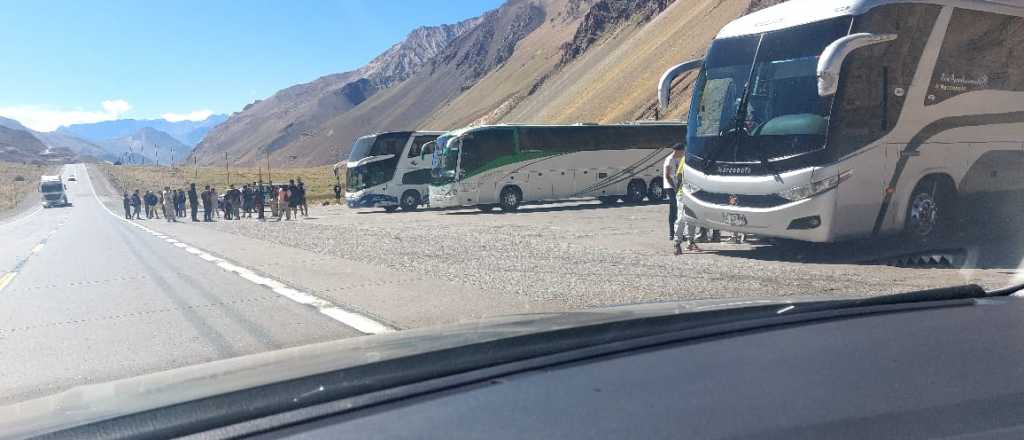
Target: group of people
679,229
286,202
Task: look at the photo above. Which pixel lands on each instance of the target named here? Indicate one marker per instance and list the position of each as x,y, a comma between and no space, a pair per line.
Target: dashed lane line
6,279
351,319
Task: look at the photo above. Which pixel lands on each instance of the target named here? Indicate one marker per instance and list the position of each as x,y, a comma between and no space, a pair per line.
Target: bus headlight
814,188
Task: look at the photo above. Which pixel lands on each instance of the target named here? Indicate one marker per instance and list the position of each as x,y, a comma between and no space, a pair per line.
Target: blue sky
79,61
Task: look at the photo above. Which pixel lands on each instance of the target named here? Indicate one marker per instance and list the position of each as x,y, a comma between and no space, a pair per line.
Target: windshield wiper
740,116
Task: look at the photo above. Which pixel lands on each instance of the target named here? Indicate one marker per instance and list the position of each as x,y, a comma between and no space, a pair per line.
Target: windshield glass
51,187
371,174
781,114
255,178
445,159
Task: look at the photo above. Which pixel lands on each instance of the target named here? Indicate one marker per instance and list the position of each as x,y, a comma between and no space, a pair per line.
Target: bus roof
464,130
432,132
798,12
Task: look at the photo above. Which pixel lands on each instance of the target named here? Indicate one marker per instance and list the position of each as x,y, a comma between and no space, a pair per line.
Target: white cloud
41,118
195,115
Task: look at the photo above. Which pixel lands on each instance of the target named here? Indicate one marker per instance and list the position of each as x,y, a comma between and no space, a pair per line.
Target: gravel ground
583,254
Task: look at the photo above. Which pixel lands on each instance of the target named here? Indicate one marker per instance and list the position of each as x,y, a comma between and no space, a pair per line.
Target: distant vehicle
388,170
505,165
72,178
829,120
53,191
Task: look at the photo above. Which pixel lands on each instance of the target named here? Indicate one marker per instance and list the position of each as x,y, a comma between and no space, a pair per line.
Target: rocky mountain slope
543,61
20,144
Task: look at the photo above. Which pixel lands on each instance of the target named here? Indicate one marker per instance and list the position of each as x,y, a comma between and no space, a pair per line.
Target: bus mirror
831,60
665,83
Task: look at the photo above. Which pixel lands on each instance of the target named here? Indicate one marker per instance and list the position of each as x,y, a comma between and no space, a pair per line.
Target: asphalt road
86,297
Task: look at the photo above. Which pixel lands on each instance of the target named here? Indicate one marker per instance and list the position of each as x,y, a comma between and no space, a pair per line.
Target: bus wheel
655,192
510,198
391,208
930,210
636,191
410,200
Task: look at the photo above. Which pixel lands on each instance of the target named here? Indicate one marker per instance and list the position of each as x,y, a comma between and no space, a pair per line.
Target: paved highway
86,297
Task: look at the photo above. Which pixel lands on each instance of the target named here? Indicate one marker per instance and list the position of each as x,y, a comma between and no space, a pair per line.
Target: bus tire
510,198
636,191
930,210
655,191
410,200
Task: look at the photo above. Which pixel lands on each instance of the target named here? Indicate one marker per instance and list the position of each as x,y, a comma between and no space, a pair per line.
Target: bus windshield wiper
740,116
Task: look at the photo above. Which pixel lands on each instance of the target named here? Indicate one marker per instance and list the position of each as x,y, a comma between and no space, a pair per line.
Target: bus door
563,183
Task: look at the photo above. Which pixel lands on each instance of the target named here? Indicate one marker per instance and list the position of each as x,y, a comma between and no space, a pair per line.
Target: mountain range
528,61
147,140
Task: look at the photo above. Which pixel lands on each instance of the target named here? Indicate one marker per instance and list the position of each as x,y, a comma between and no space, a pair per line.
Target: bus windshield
378,145
445,159
371,174
756,98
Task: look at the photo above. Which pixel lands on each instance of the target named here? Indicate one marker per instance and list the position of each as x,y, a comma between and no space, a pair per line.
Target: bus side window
977,54
867,107
417,145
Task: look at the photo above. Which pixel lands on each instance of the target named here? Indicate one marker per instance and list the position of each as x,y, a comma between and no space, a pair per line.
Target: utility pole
270,179
195,163
226,168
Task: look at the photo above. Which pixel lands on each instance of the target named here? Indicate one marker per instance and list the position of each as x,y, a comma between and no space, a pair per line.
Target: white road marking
6,279
37,248
351,319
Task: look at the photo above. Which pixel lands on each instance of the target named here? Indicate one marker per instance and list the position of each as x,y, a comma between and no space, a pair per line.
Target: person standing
215,200
127,202
207,204
193,201
136,204
168,204
236,203
247,200
293,200
227,202
337,193
302,199
257,201
282,203
181,202
669,185
684,230
174,202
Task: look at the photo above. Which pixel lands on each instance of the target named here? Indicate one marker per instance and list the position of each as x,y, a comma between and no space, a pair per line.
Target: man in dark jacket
258,201
127,202
136,204
293,199
302,199
193,201
207,204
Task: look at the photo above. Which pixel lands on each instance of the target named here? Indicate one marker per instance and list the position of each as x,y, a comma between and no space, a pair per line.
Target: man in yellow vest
684,230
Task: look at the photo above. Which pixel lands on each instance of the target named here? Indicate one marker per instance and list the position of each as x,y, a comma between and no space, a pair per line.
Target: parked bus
53,192
825,120
387,170
505,165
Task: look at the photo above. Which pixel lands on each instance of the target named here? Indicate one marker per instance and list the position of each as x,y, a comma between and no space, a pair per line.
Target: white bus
824,120
505,165
387,170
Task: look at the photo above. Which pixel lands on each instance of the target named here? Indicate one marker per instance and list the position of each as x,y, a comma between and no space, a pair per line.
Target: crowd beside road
285,202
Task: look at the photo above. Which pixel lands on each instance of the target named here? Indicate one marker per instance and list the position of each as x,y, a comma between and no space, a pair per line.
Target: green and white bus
505,165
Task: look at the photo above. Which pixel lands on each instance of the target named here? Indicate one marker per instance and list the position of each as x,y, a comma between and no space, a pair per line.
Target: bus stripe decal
928,132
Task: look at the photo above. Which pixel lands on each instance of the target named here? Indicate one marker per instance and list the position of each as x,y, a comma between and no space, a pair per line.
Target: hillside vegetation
18,181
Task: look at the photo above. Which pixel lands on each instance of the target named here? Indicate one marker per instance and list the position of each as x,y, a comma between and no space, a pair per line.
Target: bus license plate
734,219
